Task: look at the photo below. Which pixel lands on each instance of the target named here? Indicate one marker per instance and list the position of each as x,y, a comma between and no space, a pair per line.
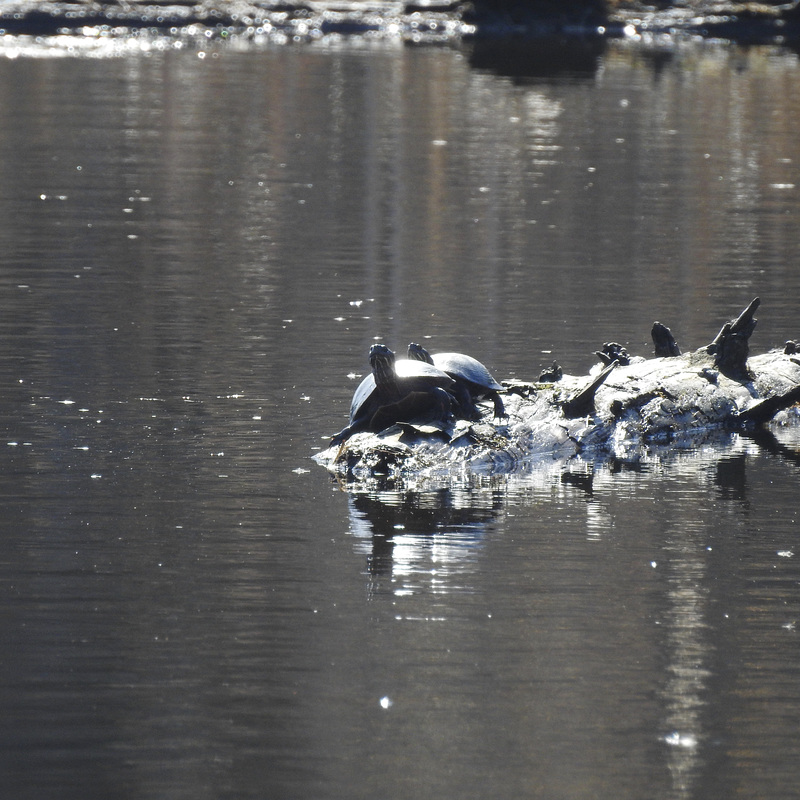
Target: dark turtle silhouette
396,391
473,380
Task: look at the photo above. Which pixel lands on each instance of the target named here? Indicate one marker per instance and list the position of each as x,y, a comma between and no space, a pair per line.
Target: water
198,251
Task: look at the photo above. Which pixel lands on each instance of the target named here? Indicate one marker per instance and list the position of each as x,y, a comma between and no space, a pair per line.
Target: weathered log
620,413
613,353
554,373
664,341
764,410
730,347
582,403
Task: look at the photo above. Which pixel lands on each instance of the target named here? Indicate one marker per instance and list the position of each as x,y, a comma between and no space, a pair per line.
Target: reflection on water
421,541
199,251
526,60
660,539
689,669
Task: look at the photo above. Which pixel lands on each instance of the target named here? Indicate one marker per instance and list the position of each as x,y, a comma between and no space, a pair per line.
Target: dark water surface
198,251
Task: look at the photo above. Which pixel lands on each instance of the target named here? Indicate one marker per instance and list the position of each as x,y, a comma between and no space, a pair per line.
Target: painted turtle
396,391
472,379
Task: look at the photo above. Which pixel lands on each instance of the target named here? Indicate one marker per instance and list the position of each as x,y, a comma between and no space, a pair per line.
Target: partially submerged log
730,347
617,412
664,341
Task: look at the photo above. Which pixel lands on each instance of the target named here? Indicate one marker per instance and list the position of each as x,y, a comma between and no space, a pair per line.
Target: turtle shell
472,379
466,368
411,376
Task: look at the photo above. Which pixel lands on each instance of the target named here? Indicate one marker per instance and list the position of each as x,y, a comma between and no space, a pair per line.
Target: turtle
396,391
473,380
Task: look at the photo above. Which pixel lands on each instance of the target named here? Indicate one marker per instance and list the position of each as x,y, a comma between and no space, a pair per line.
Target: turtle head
381,359
416,352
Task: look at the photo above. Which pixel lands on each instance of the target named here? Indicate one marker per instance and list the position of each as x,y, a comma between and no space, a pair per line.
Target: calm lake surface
198,249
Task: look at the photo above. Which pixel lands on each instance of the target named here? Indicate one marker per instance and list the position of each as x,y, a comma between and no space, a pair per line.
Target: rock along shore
410,20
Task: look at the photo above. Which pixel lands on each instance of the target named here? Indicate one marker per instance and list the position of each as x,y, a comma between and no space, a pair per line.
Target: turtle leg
343,435
358,424
499,408
338,438
441,404
463,398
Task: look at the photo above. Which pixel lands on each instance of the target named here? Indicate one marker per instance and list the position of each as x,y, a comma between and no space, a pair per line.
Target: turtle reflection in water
473,380
397,391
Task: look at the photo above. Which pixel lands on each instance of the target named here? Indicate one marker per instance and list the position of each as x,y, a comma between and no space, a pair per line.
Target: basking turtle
473,380
396,391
